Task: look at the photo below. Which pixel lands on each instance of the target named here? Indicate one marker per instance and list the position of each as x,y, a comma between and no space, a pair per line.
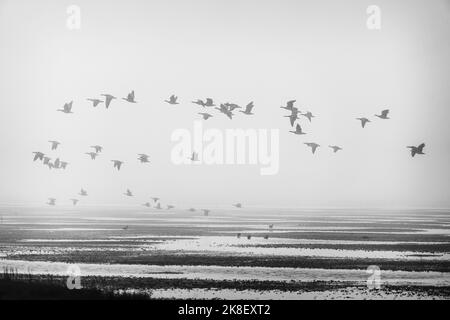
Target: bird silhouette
67,108
248,109
205,116
383,115
125,228
97,148
224,109
238,205
128,193
38,155
147,204
206,212
191,209
232,106
158,206
51,201
209,102
93,155
117,164
293,116
95,102
238,235
143,157
249,236
200,102
266,237
155,199
289,105
313,146
298,130
108,99
271,226
335,148
172,100
57,163
64,164
74,201
83,192
363,121
417,150
46,160
130,97
55,144
50,165
308,115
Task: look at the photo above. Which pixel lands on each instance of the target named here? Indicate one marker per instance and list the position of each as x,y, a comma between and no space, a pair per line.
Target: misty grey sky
317,52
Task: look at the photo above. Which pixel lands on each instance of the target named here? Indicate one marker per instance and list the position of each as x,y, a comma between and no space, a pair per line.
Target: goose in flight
169,206
108,99
289,105
205,116
293,116
335,148
117,164
50,165
155,199
248,109
54,144
74,201
194,156
64,164
38,155
158,206
143,157
200,102
83,192
51,201
224,109
67,108
130,97
417,150
232,106
298,130
46,160
147,204
172,100
128,193
308,115
95,102
209,102
92,154
57,163
363,121
206,212
383,115
238,205
97,148
313,146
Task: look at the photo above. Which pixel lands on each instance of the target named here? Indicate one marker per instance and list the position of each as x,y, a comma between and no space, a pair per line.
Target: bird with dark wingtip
417,150
313,146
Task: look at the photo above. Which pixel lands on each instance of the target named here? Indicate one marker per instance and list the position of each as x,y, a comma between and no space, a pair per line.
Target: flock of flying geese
225,108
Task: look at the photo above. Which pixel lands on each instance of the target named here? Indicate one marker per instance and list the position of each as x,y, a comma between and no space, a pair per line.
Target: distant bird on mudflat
155,199
74,201
313,146
93,155
248,109
238,235
38,155
147,204
64,164
249,236
206,212
55,144
417,150
169,206
67,108
238,205
308,115
83,192
46,160
335,148
383,115
143,157
172,100
205,116
51,201
271,226
209,102
130,97
95,102
266,237
108,99
200,102
298,130
363,121
97,148
117,164
128,193
194,156
289,105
